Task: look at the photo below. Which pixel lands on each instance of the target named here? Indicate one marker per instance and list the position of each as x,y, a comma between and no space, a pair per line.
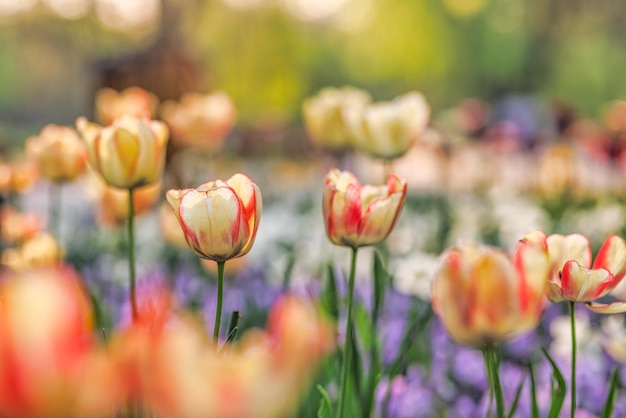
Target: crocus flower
59,153
574,278
128,154
219,219
388,129
483,296
357,215
134,101
50,365
201,120
324,116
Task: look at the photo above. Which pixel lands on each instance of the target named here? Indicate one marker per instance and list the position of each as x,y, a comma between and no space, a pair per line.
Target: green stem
487,361
491,363
347,354
573,385
220,292
131,253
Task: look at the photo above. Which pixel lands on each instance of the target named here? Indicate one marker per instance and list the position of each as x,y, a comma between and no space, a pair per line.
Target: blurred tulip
17,226
388,129
573,276
134,101
114,203
59,153
128,154
557,170
219,219
357,215
17,177
49,363
200,120
483,297
40,251
324,116
262,376
170,227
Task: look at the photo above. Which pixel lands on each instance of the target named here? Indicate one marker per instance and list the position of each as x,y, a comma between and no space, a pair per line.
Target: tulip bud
128,154
484,297
388,129
59,153
219,219
134,101
357,215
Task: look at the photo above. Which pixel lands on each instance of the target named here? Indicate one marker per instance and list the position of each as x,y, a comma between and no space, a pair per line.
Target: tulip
573,276
324,116
42,250
49,363
59,153
483,297
134,101
17,226
128,154
357,215
200,120
388,129
17,176
219,220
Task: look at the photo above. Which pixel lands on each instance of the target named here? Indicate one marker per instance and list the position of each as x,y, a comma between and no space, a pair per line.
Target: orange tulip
16,226
484,297
200,120
357,215
128,154
17,176
59,153
42,250
574,278
49,364
219,219
134,101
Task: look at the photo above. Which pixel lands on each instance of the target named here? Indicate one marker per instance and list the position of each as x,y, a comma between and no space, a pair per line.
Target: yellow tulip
128,154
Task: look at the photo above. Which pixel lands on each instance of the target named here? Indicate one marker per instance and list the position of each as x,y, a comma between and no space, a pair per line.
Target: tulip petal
379,219
126,147
580,284
533,267
612,256
606,308
250,197
343,213
571,247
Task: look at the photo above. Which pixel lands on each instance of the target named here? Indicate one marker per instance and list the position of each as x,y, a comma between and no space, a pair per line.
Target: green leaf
558,390
533,391
330,297
518,393
607,411
326,407
381,278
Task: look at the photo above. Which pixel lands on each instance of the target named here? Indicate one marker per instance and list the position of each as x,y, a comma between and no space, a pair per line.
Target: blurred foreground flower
134,101
59,153
49,363
324,116
200,120
128,154
357,215
388,129
483,297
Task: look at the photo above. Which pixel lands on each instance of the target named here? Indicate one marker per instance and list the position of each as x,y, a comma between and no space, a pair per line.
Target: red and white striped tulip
129,153
357,215
483,296
219,219
574,278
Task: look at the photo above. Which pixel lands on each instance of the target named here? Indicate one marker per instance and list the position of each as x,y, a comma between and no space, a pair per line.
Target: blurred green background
271,54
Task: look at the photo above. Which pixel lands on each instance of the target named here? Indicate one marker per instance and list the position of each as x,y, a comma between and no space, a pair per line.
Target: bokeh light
15,7
69,9
128,14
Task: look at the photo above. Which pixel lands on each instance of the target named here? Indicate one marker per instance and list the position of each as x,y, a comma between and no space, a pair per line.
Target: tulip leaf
326,407
558,389
518,393
607,411
330,297
533,391
381,278
233,325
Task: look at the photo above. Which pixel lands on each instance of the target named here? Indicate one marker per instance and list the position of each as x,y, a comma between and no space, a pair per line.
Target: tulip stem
220,292
573,385
131,253
490,353
347,354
